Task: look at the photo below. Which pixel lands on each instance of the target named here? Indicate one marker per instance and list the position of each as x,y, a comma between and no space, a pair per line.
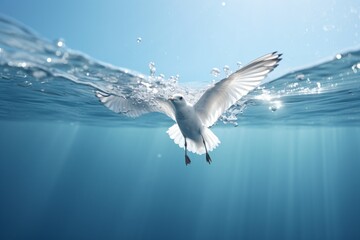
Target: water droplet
328,27
177,77
300,77
49,60
215,72
39,74
27,84
355,67
110,87
318,84
275,106
152,69
338,56
161,76
239,65
226,69
138,40
58,53
60,43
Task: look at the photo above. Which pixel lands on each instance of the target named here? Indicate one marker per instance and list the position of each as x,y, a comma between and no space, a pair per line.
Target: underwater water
287,168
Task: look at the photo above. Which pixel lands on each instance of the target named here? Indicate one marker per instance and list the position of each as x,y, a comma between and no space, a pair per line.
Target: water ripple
44,80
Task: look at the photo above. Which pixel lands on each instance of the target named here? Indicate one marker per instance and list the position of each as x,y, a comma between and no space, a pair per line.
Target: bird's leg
187,159
208,158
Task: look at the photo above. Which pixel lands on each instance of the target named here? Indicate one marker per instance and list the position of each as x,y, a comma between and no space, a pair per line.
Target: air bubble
138,40
215,72
49,60
338,56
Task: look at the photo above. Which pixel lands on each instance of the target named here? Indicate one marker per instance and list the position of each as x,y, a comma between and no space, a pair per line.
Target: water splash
50,81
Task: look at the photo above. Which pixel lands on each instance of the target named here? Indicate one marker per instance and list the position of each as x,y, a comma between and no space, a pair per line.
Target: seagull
192,121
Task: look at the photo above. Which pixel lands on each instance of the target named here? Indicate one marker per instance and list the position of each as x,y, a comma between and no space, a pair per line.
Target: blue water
71,169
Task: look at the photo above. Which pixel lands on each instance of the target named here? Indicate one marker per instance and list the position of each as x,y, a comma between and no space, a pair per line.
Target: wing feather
132,108
217,99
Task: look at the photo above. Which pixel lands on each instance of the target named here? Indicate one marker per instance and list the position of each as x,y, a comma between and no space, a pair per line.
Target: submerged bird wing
135,108
217,99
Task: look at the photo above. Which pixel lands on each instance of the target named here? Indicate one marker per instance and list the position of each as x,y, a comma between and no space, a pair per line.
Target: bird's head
177,100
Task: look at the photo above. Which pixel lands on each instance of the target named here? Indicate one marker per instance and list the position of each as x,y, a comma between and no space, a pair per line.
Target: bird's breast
189,124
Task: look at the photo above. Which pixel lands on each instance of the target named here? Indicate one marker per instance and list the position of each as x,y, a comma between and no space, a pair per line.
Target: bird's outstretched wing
132,108
217,99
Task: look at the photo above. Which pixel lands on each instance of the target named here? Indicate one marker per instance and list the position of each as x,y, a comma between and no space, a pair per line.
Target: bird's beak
171,99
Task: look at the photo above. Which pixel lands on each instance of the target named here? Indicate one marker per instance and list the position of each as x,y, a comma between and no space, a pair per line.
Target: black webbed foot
208,158
187,160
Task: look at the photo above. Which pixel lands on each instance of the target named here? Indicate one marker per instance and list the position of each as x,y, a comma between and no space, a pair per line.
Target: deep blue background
61,181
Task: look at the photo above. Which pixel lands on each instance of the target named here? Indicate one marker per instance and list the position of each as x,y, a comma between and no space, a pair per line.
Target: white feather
133,108
217,99
196,147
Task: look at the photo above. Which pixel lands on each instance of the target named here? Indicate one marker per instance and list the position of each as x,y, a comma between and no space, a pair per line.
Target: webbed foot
208,158
187,160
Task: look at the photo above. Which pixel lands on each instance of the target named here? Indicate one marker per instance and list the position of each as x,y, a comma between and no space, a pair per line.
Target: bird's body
189,123
191,130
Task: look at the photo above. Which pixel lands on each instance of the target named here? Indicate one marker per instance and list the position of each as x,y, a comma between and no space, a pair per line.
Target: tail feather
194,146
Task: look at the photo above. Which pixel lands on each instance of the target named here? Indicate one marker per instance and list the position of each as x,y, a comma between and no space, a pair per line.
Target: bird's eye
181,98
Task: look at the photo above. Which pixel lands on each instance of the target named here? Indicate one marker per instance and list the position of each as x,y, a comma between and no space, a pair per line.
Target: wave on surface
46,81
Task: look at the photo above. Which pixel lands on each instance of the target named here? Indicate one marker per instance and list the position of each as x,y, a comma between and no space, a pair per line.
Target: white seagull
191,130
